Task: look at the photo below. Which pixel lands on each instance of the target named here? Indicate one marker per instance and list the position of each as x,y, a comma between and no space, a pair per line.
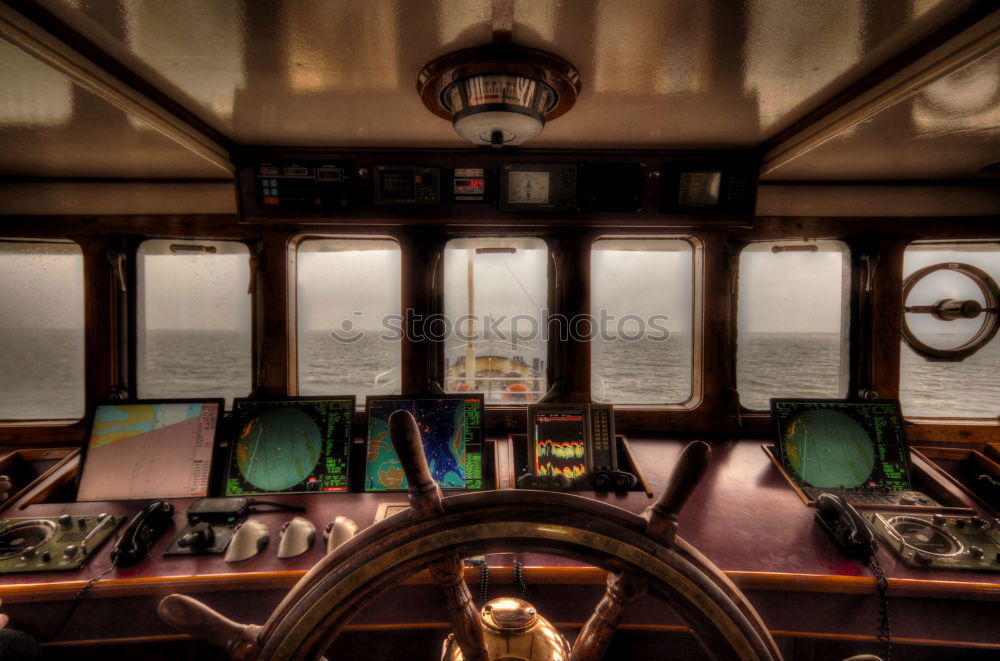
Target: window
792,321
348,316
933,388
495,306
41,331
194,319
643,308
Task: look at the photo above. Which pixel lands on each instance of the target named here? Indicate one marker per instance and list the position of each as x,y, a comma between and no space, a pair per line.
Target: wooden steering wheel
640,552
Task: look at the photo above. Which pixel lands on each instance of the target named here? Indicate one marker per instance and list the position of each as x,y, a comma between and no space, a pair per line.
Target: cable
76,600
484,578
884,631
519,577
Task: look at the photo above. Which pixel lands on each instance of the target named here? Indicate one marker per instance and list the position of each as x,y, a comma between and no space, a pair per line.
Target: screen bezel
213,461
234,427
777,430
534,409
486,467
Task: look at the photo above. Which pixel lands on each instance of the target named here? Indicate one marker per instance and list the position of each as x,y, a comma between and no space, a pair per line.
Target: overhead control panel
651,188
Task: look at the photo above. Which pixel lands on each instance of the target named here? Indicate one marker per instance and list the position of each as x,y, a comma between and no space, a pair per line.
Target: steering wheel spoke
640,554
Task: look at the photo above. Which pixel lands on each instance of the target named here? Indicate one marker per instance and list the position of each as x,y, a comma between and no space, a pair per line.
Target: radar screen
558,441
452,431
149,449
297,445
846,445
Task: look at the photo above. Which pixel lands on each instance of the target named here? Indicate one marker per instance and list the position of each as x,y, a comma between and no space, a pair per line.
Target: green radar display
828,449
832,444
290,446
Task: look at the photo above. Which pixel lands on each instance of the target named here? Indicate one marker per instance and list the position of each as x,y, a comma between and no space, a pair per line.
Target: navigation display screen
297,445
836,444
452,431
559,441
153,449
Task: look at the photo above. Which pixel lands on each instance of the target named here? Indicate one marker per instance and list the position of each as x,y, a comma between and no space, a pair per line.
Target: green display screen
835,444
289,446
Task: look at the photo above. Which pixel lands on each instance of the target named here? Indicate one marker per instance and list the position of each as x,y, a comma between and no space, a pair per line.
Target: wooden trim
34,454
583,575
444,626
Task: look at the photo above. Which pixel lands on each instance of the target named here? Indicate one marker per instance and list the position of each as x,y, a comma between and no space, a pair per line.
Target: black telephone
145,528
848,529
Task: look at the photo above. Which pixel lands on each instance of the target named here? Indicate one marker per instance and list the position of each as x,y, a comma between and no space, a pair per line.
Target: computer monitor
559,440
451,427
149,449
293,445
831,444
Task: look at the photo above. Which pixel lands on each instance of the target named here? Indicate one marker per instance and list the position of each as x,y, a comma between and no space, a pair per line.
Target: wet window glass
348,316
643,307
41,331
792,321
945,297
495,312
194,319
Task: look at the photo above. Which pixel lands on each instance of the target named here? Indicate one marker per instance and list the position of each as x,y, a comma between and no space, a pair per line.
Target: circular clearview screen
278,449
924,536
22,535
828,449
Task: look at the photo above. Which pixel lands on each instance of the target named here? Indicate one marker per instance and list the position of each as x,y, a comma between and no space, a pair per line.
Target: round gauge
278,449
828,449
923,536
20,536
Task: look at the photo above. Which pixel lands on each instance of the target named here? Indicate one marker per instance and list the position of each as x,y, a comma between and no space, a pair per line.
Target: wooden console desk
743,516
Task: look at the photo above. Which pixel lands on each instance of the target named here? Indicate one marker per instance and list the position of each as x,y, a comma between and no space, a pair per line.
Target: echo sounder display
153,449
451,428
289,446
559,442
836,444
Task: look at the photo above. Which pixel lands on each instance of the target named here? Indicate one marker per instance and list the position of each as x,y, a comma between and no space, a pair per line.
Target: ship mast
470,351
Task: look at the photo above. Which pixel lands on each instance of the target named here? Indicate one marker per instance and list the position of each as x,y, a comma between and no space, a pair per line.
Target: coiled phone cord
76,601
484,578
884,630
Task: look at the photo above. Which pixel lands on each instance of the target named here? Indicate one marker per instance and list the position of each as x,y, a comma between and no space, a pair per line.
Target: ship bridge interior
691,309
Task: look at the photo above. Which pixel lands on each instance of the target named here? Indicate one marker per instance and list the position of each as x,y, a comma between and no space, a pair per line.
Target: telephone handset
848,529
142,532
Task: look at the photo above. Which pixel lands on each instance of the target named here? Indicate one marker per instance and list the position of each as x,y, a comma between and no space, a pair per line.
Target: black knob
28,552
46,556
938,520
71,550
977,522
65,520
200,535
82,522
975,552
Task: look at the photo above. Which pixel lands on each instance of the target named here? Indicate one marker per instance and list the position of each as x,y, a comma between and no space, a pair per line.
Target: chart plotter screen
297,445
559,442
837,444
452,432
152,449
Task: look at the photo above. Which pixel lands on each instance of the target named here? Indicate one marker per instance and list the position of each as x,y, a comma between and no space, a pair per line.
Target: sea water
41,371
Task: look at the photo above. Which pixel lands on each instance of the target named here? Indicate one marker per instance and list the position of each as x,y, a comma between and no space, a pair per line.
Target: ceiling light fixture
500,94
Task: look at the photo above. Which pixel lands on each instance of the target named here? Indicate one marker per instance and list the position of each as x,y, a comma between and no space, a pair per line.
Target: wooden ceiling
836,91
